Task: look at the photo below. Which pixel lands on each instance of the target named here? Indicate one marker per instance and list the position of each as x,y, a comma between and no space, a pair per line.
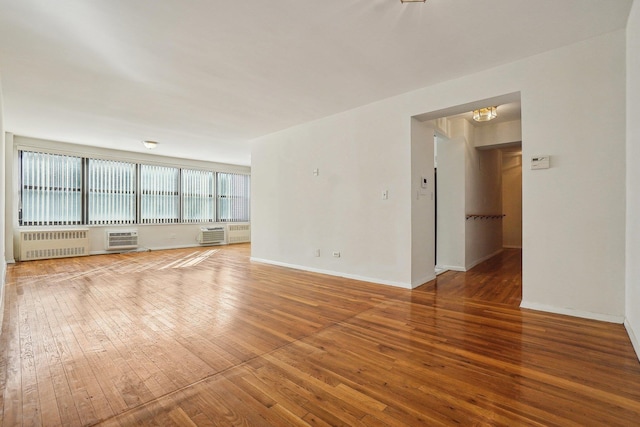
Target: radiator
121,240
238,233
211,235
43,244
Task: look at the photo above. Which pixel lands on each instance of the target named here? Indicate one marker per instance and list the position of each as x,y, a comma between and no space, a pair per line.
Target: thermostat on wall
540,162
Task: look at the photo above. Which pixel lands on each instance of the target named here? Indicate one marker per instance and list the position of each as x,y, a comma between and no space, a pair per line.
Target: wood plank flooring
204,337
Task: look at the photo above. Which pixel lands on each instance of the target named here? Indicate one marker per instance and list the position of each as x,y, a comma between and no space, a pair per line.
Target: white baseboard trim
483,259
3,282
451,267
159,248
632,336
422,281
334,273
611,318
511,247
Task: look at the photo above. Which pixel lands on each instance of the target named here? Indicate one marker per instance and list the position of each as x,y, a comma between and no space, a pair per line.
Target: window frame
182,196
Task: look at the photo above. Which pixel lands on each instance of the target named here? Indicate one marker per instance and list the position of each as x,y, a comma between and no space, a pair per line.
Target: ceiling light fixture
150,144
485,114
412,1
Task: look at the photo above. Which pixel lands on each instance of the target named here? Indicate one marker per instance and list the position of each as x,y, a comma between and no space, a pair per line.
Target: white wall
150,236
451,198
3,262
574,213
632,321
422,204
358,155
498,134
483,173
512,200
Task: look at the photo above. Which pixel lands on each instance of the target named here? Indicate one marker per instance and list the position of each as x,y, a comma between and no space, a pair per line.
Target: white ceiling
204,77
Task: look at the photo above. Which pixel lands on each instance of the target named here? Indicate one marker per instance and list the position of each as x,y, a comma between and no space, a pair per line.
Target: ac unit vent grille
211,235
122,240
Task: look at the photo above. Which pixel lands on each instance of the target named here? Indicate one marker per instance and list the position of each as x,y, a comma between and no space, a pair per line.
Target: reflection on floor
195,337
497,280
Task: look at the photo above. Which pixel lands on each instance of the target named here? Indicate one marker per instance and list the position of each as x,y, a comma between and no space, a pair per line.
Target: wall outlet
336,254
316,252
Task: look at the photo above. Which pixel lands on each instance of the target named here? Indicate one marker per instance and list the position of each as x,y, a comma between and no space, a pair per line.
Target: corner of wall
3,216
632,230
3,281
611,318
632,336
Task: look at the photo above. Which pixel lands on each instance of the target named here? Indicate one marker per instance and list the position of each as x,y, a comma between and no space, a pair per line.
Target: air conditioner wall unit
117,240
211,235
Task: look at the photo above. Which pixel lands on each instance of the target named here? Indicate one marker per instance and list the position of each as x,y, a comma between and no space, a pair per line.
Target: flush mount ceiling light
412,1
150,144
485,114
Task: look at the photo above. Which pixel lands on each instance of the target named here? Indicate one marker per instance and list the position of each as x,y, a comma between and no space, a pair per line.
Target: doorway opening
477,186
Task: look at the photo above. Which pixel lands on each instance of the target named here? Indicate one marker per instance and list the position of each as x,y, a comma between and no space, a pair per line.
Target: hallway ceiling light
485,114
150,144
412,1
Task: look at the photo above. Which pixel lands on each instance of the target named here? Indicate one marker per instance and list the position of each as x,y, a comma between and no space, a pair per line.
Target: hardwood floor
205,337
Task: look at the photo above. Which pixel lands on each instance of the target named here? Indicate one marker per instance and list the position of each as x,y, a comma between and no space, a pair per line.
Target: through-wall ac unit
211,235
121,240
238,233
43,244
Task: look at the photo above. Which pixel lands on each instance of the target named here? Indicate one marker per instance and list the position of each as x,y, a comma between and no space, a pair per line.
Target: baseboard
451,267
334,273
611,318
422,281
632,336
159,248
483,259
3,282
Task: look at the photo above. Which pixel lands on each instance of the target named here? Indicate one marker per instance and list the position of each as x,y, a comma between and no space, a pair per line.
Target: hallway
497,280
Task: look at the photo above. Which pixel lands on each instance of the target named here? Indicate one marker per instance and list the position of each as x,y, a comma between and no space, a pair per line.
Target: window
233,197
197,196
159,197
51,189
112,192
58,189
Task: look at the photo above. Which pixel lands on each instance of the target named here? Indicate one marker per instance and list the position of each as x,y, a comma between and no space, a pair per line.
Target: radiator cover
44,244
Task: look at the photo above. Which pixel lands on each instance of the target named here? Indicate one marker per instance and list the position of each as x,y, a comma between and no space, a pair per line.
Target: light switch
385,194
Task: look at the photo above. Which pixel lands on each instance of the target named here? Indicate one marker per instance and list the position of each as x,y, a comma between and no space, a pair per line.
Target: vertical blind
59,189
233,192
51,189
112,192
159,197
197,196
